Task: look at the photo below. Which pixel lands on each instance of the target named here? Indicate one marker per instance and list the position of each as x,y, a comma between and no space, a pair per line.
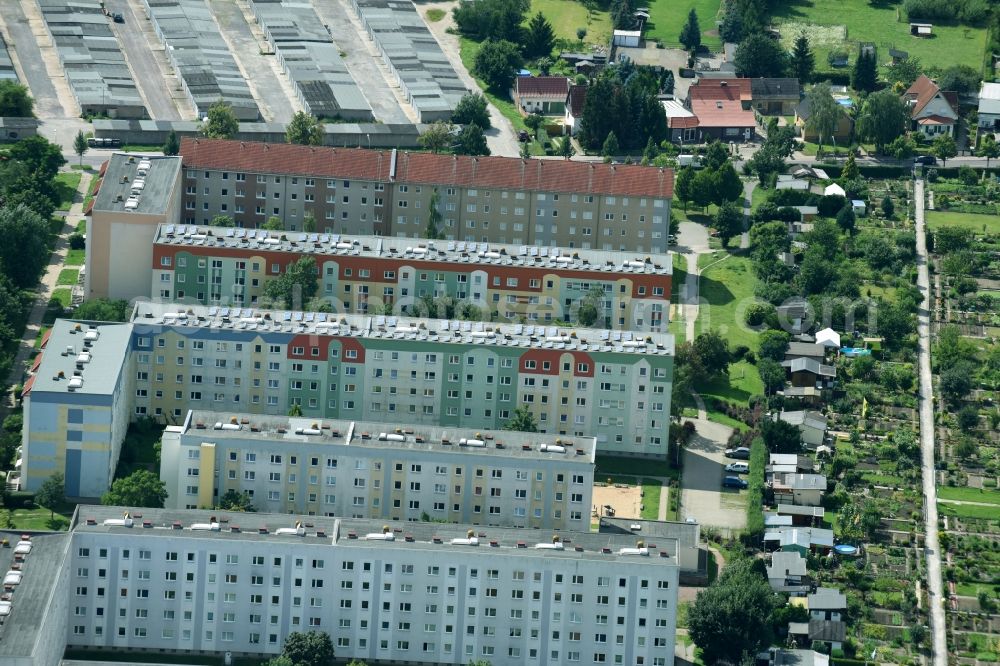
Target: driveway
702,494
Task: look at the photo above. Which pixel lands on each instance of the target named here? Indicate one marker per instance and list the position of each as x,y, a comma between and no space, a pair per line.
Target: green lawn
968,511
969,495
651,490
68,276
972,589
38,519
876,22
568,15
435,15
63,295
989,224
65,185
758,197
742,383
75,257
81,227
606,465
86,203
726,288
41,334
667,17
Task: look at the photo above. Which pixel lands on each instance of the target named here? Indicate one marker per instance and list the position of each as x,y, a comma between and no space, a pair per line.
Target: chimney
723,83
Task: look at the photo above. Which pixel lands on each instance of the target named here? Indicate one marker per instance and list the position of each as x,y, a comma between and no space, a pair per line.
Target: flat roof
120,178
30,598
383,436
688,534
451,252
442,331
344,532
96,365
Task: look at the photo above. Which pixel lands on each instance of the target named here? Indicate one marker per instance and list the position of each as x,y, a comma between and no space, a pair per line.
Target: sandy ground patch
627,502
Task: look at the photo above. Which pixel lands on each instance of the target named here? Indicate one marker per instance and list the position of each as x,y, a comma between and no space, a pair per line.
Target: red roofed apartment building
932,110
723,109
555,203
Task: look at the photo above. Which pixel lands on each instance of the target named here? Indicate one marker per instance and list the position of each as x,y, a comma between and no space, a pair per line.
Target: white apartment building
418,593
321,467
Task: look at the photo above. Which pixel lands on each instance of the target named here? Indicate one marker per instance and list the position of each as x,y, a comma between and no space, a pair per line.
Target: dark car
118,18
925,159
740,453
734,482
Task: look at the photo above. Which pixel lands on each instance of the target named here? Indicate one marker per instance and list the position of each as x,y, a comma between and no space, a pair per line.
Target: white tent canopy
828,338
833,188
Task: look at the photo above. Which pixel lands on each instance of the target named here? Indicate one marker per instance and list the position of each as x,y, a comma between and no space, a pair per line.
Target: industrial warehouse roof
450,252
502,173
455,441
120,184
7,71
441,331
198,52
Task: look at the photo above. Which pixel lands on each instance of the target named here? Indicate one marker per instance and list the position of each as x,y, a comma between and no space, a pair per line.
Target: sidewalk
44,290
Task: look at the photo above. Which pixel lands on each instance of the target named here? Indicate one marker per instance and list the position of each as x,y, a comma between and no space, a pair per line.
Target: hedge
20,500
755,492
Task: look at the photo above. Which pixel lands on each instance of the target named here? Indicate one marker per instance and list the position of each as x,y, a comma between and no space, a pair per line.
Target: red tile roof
682,122
543,175
936,120
542,86
923,91
722,113
574,101
738,89
464,171
285,158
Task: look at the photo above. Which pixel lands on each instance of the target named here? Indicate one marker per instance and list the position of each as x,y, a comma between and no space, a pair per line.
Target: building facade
480,199
380,471
190,581
214,266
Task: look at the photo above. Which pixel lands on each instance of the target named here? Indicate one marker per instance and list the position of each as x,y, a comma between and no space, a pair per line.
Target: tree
274,223
308,648
102,309
773,345
220,121
728,186
945,148
759,55
534,121
80,145
883,118
864,76
296,286
691,32
471,141
713,352
824,112
172,145
221,221
521,420
968,418
42,157
52,493
780,437
472,109
15,100
960,79
492,19
703,188
683,185
803,61
846,218
888,209
233,500
851,171
434,219
623,99
623,14
731,617
309,223
140,488
437,137
540,37
497,63
610,147
859,519
988,148
304,130
295,410
956,382
591,307
566,147
903,73
728,222
24,251
902,147
772,374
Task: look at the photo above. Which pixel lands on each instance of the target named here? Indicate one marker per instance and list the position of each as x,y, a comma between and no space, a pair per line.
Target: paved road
155,81
932,552
365,65
703,496
22,41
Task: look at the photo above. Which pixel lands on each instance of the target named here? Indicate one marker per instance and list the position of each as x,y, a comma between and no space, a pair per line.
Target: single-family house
782,657
932,110
809,395
989,107
575,98
796,488
805,350
807,213
795,315
826,603
722,107
804,516
828,338
831,632
682,124
541,94
802,540
808,372
775,97
810,422
787,573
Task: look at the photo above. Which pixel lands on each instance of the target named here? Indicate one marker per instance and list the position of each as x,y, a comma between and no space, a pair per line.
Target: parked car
738,467
118,18
734,482
740,452
925,159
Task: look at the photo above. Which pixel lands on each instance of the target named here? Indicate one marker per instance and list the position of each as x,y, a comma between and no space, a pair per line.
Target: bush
77,242
20,500
755,490
758,313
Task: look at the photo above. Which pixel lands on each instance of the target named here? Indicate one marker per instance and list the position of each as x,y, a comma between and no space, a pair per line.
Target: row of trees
622,100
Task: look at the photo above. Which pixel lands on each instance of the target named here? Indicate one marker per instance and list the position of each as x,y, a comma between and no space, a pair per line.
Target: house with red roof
541,94
575,98
723,109
932,110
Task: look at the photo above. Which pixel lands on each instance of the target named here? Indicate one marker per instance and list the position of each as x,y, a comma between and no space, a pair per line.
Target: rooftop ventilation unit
206,527
298,530
391,437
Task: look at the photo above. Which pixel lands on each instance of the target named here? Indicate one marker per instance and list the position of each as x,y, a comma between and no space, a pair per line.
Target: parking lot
703,496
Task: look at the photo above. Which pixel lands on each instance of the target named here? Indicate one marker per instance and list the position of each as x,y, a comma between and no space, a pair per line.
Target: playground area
619,499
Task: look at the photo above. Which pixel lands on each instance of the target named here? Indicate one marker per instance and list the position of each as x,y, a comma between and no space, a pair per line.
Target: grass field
435,15
63,295
632,466
969,495
75,257
667,17
726,288
743,382
66,184
68,277
968,511
877,22
568,15
651,490
86,201
38,519
989,224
